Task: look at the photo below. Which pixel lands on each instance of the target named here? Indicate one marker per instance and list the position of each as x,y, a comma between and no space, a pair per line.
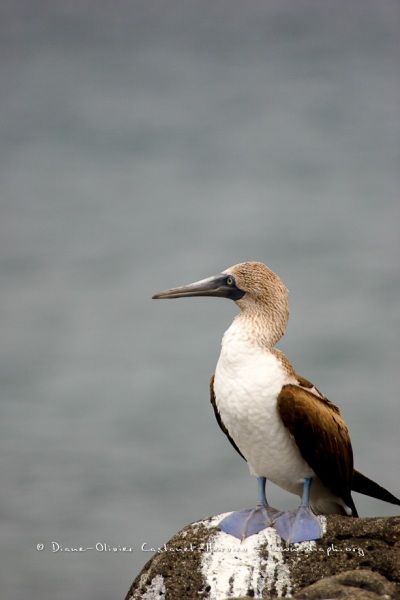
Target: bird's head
258,292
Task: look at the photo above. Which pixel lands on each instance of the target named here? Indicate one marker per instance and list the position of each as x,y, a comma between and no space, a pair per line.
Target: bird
279,422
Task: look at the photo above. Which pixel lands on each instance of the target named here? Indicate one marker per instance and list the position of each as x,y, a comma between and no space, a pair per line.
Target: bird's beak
212,286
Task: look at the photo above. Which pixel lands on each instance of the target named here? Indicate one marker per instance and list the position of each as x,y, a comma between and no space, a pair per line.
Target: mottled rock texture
356,558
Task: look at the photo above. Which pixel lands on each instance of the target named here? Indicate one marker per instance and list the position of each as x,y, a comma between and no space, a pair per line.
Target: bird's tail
364,485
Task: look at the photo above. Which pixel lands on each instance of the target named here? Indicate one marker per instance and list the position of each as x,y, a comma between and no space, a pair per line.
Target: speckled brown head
265,301
258,291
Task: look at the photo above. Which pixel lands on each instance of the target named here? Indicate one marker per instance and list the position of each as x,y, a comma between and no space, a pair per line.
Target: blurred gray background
147,144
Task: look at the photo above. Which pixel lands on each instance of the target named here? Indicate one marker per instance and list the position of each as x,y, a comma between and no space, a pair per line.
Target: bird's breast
248,380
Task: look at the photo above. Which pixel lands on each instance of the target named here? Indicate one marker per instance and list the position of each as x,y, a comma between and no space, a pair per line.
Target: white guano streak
154,591
234,568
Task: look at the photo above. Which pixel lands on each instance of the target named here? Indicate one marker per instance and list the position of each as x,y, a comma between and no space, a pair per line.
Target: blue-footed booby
279,422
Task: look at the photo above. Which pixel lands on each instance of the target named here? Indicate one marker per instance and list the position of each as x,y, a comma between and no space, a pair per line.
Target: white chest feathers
248,380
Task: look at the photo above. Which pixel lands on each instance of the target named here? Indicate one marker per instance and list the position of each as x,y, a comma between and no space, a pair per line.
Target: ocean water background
147,144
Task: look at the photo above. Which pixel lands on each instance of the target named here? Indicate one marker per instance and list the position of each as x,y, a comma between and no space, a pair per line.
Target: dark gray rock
357,585
356,558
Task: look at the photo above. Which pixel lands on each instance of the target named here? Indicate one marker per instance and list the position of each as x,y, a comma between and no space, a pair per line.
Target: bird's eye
230,280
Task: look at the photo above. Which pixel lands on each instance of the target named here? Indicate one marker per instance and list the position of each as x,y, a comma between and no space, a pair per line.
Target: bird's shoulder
300,385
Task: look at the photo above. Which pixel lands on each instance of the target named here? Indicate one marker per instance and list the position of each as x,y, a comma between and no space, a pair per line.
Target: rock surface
357,585
356,558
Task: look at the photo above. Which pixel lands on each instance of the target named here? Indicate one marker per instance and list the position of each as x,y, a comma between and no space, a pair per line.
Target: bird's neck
256,329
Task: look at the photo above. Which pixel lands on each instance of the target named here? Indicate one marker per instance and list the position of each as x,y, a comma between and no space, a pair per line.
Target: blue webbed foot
249,521
299,525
